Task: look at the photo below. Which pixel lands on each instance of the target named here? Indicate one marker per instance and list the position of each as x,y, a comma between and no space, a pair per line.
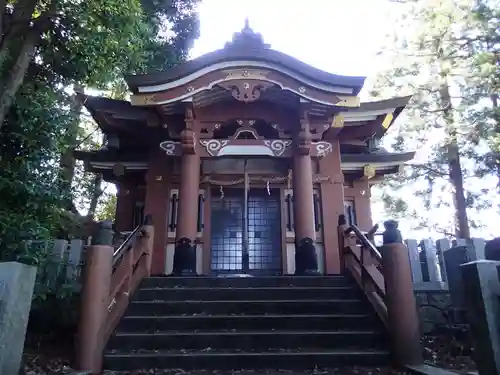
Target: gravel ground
449,353
339,371
37,364
441,351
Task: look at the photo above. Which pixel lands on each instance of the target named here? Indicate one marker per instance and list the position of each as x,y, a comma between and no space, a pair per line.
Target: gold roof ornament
369,171
338,121
387,120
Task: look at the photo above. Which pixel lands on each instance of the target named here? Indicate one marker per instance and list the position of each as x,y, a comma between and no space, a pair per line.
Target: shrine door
246,246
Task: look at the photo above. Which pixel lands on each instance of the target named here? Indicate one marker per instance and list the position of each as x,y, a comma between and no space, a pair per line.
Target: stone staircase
251,323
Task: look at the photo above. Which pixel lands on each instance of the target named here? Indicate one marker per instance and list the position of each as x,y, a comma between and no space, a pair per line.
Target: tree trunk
96,194
462,229
19,23
15,77
2,19
496,118
455,174
67,162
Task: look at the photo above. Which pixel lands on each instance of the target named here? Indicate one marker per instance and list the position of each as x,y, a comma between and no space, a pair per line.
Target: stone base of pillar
306,260
185,258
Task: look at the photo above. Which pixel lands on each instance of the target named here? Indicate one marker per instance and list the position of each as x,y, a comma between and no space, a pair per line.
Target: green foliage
96,42
107,207
482,87
34,132
92,43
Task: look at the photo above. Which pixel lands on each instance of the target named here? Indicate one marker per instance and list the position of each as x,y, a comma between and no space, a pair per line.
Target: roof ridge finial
247,38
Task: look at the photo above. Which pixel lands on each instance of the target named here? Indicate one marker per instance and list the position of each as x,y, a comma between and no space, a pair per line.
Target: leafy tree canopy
45,47
444,52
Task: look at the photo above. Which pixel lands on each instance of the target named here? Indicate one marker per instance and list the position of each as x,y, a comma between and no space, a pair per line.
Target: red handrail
364,263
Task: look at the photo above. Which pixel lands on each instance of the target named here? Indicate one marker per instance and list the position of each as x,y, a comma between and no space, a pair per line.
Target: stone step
279,359
248,307
244,282
233,323
240,293
247,322
246,340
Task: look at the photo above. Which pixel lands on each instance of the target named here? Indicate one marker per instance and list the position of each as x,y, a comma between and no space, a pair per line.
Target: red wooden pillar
362,204
306,261
303,197
332,200
124,214
156,205
187,214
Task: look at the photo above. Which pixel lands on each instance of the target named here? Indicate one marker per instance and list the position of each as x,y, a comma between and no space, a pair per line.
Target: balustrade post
148,237
403,322
341,228
95,299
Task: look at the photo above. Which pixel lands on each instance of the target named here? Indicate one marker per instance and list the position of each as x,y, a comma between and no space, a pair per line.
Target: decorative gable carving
246,90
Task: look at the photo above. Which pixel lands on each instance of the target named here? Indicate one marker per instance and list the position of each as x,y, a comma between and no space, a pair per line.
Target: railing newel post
129,259
147,243
107,267
403,320
95,296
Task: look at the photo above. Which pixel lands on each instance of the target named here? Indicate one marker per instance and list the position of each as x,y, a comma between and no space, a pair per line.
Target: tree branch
3,5
20,20
429,169
15,76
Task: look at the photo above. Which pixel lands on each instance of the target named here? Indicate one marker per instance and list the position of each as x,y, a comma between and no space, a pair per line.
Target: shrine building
244,157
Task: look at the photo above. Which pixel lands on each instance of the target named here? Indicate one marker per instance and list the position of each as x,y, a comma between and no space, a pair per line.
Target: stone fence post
416,267
482,293
432,261
95,299
400,299
481,288
17,282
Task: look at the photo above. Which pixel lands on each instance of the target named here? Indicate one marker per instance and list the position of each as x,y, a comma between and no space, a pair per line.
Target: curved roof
368,120
376,158
247,47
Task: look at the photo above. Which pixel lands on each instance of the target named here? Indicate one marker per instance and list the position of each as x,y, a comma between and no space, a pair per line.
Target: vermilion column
306,261
332,200
156,205
187,214
124,214
303,197
362,204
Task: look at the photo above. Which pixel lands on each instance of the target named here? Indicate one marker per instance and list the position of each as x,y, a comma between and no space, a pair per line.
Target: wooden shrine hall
244,158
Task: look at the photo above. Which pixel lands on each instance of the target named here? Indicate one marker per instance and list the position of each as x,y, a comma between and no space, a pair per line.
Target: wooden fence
435,264
59,262
427,258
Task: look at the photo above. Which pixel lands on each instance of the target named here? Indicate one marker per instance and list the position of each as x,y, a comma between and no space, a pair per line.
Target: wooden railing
131,263
111,276
384,275
363,260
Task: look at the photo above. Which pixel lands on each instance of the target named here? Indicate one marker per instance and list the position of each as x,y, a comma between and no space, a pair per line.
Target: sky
337,36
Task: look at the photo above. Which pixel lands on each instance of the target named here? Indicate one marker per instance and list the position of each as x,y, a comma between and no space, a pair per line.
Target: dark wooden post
400,299
95,299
